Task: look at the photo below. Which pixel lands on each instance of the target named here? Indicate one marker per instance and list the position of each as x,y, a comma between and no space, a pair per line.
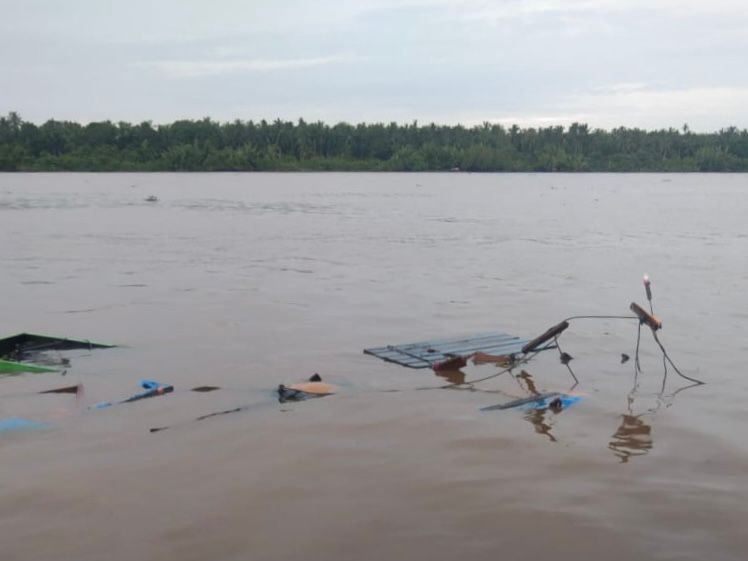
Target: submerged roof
31,342
17,352
427,353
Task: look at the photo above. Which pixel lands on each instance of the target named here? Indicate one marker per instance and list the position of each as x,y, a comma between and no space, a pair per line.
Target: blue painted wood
425,354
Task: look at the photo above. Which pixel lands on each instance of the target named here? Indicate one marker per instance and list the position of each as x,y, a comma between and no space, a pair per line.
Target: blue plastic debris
152,389
540,401
563,401
18,423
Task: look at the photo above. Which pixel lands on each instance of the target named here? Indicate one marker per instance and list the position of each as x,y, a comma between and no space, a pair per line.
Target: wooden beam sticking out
651,320
553,332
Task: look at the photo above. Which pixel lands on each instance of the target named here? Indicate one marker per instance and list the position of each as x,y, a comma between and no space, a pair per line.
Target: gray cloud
652,64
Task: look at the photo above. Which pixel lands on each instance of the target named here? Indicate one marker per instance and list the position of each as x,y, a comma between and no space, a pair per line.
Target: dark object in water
624,358
551,333
288,394
226,412
523,401
205,389
67,389
427,353
208,416
566,358
556,405
151,199
315,387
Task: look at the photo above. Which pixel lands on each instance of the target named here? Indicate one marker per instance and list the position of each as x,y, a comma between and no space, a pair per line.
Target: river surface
247,281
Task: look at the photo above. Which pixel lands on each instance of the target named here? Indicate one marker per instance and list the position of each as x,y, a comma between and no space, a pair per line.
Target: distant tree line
207,145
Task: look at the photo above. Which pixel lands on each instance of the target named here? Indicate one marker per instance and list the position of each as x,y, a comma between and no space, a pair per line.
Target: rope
664,352
637,366
598,317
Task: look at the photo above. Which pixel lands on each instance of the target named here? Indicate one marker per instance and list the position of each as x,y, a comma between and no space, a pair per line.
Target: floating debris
624,358
76,389
25,343
427,354
203,417
522,401
18,423
554,401
152,389
314,387
499,360
21,352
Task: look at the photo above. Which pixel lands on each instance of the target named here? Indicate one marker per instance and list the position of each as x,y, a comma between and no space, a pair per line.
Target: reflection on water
632,438
634,435
537,418
526,377
456,377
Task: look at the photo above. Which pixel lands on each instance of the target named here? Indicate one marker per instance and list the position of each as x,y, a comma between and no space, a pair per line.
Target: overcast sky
644,63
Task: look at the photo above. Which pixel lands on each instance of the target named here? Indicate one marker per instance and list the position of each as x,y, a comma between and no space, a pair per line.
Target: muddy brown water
247,281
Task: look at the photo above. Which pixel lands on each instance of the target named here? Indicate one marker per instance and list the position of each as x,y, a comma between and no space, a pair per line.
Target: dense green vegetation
206,145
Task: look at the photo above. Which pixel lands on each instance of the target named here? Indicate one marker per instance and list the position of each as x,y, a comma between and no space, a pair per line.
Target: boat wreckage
32,353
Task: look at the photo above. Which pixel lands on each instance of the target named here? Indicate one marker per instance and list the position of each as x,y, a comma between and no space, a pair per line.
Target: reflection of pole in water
537,419
536,416
527,377
633,438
